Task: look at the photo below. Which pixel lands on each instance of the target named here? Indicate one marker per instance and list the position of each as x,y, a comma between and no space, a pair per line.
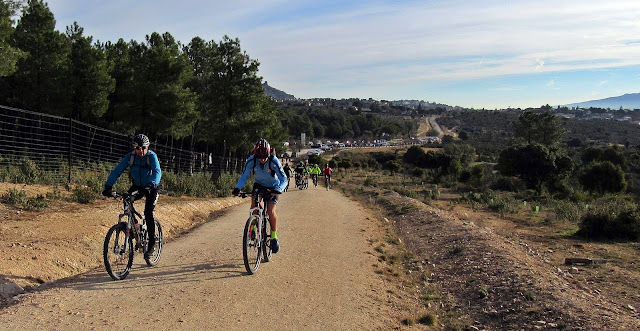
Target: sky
477,54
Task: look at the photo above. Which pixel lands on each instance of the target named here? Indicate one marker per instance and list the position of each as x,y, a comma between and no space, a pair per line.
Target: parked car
315,152
325,147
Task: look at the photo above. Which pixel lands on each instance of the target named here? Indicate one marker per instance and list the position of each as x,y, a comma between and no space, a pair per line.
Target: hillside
275,93
626,101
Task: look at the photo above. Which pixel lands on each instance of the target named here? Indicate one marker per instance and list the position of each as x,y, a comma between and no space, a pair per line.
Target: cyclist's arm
155,165
118,170
280,174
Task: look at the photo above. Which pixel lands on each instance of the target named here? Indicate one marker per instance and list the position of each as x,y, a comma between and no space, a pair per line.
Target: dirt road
323,278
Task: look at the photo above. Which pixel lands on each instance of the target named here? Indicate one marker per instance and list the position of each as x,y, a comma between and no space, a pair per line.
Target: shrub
370,181
29,172
614,221
568,211
84,195
504,205
38,202
225,184
509,184
14,197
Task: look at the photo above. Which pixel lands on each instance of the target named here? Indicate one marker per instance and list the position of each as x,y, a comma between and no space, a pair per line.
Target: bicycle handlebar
244,194
123,195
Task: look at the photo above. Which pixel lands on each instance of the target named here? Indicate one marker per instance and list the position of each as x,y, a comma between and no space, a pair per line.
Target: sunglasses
140,148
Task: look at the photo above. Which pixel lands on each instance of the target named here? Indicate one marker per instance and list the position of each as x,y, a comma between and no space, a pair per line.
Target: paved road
323,279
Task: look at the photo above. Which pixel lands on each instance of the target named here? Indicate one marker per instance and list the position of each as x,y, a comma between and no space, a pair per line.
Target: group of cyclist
268,175
304,170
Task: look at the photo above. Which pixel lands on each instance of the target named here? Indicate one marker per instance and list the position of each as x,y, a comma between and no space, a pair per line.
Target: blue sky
481,53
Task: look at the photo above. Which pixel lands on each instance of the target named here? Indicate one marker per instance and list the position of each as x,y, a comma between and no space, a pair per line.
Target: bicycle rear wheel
155,257
117,252
266,237
251,245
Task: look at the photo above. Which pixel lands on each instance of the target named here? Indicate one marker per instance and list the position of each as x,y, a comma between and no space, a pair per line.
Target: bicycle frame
118,253
255,237
130,213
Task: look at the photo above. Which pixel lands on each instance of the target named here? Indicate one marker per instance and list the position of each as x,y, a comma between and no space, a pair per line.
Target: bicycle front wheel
251,243
155,257
118,252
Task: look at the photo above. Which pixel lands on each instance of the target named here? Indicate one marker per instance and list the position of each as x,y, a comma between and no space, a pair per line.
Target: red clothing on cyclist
327,171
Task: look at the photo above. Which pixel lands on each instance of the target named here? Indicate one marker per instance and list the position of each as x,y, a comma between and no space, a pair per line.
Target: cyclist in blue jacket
144,169
269,175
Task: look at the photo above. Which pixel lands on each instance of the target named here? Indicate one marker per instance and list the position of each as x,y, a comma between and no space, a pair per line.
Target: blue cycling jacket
142,172
270,174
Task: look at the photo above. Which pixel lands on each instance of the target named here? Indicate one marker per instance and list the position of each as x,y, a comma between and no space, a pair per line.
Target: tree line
204,91
200,93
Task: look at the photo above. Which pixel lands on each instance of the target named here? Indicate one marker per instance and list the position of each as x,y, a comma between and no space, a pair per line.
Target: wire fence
60,146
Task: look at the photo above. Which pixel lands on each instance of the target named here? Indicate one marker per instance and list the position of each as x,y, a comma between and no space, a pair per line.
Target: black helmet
262,148
140,140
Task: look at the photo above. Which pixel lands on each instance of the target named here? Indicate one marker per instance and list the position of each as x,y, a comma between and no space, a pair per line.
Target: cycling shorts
267,197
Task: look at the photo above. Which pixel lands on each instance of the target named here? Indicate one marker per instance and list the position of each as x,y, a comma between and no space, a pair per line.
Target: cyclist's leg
149,206
273,223
273,217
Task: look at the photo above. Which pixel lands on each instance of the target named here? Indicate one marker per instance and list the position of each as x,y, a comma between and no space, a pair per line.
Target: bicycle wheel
251,245
266,237
117,252
155,257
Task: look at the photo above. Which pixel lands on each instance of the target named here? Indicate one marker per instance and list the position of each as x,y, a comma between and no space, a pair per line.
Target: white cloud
304,45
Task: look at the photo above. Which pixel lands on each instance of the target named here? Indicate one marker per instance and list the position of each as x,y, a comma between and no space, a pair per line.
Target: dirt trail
323,278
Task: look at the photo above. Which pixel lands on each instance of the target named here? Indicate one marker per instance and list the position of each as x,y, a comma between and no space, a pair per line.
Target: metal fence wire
59,145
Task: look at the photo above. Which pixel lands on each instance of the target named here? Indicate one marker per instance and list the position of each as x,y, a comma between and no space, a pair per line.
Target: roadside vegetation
537,176
90,184
562,194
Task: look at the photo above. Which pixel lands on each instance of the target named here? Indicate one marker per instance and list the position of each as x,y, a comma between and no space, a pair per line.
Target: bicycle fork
256,231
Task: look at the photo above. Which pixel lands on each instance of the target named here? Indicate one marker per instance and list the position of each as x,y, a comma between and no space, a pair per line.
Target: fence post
70,151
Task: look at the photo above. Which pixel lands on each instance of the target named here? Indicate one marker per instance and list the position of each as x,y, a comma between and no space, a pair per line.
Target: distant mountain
627,101
275,93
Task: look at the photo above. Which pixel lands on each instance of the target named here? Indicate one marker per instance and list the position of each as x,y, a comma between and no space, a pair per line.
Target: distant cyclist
144,169
300,171
315,171
287,171
327,174
268,175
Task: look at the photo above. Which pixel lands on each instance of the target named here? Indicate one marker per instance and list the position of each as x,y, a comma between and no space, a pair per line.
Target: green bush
504,205
37,202
225,184
14,197
566,210
511,184
613,222
84,195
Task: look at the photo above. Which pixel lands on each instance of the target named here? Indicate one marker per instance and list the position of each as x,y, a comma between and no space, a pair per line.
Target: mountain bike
315,181
302,182
256,243
327,181
119,241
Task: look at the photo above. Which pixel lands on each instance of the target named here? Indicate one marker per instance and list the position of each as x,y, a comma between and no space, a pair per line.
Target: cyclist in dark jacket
145,176
287,171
